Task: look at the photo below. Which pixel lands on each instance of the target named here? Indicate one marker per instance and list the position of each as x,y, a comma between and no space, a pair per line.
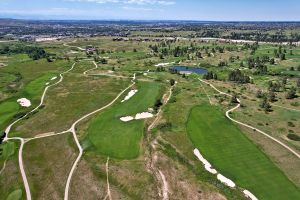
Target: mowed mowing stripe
109,136
236,157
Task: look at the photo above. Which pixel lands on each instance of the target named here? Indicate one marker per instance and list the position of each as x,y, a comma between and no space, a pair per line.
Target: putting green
236,157
108,135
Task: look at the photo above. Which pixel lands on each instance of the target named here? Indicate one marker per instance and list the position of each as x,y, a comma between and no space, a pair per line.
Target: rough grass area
108,135
11,184
230,152
15,195
47,163
76,96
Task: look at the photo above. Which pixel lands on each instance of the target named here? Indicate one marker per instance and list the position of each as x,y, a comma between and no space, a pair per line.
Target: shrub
293,137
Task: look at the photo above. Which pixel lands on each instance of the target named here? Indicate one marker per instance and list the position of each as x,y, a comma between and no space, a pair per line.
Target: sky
204,10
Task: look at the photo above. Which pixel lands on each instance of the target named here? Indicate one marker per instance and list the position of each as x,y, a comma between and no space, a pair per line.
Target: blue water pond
188,69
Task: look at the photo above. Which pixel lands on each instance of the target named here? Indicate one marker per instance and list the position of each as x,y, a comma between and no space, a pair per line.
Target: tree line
33,52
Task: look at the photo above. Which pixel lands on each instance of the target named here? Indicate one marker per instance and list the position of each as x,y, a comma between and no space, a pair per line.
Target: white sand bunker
24,102
130,94
47,83
249,195
53,78
162,64
220,177
143,115
126,119
225,180
206,164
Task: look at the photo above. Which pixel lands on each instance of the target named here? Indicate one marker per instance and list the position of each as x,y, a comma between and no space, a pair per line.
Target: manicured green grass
233,155
8,149
15,195
36,87
7,111
108,135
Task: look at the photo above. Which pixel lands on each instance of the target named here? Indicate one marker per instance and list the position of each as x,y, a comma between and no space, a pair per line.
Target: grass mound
236,157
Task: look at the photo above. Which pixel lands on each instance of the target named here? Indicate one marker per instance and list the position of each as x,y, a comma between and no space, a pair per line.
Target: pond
189,69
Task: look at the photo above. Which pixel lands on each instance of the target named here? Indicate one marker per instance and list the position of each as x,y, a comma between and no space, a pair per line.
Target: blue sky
215,10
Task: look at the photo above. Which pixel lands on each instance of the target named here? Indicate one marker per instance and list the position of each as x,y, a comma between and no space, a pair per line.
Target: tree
272,96
157,104
103,61
234,99
291,93
49,59
298,83
265,105
210,75
198,54
172,82
284,81
259,94
241,64
237,76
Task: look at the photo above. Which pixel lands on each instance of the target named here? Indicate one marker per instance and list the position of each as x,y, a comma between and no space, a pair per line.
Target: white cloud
140,9
96,1
137,2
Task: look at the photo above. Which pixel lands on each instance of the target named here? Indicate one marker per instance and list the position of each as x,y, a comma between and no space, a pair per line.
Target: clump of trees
210,75
259,64
238,76
291,94
222,64
274,86
157,105
265,105
172,82
33,52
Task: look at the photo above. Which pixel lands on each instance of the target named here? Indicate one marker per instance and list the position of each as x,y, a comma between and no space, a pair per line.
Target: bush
293,137
291,124
165,126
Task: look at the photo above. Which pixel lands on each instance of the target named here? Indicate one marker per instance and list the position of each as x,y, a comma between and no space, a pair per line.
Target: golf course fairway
233,155
110,136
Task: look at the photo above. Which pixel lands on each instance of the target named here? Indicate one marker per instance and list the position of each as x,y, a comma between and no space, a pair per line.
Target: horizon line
152,20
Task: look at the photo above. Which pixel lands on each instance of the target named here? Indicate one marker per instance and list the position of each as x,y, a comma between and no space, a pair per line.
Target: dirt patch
179,177
85,185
